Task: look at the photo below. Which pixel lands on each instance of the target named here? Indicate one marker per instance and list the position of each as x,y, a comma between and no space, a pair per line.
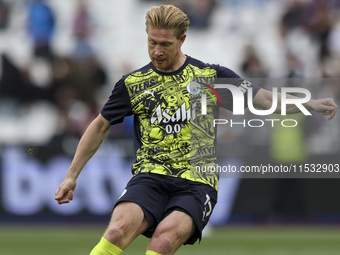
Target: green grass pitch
273,240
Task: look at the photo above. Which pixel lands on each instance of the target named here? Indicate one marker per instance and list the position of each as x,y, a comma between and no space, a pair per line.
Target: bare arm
325,106
87,147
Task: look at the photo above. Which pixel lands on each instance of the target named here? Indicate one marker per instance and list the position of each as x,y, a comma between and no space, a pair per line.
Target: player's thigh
177,227
198,201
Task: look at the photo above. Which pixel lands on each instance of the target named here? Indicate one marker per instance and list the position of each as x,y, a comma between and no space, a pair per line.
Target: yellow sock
104,247
151,253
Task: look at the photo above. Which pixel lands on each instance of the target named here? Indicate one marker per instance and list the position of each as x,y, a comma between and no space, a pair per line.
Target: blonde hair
167,17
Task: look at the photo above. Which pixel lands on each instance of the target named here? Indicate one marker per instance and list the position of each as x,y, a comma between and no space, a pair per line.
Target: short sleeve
227,76
118,106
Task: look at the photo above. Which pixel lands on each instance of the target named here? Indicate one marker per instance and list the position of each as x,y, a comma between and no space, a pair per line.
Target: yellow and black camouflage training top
172,136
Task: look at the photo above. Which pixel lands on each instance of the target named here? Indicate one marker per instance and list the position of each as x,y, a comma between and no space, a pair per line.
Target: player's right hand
64,193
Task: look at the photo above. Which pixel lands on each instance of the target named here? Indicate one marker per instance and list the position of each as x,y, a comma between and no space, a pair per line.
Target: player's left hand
325,106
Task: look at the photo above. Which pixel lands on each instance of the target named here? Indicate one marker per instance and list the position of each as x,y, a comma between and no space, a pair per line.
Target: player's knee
115,232
166,238
165,241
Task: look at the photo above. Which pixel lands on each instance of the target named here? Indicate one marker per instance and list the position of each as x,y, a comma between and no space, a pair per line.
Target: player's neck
180,61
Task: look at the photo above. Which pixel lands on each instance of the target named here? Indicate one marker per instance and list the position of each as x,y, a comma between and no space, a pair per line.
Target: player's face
165,49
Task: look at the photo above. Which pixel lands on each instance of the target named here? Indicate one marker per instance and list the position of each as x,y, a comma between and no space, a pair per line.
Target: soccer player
165,200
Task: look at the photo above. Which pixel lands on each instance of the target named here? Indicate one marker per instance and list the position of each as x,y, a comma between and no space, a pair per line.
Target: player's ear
182,39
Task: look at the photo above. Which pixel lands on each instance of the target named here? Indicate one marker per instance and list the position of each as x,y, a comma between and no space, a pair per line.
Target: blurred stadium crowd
60,59
56,72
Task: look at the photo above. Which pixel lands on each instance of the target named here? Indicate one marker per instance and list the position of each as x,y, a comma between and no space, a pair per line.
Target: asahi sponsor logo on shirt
180,115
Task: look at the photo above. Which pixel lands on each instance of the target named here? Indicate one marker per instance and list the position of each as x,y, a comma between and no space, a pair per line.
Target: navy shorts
159,195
